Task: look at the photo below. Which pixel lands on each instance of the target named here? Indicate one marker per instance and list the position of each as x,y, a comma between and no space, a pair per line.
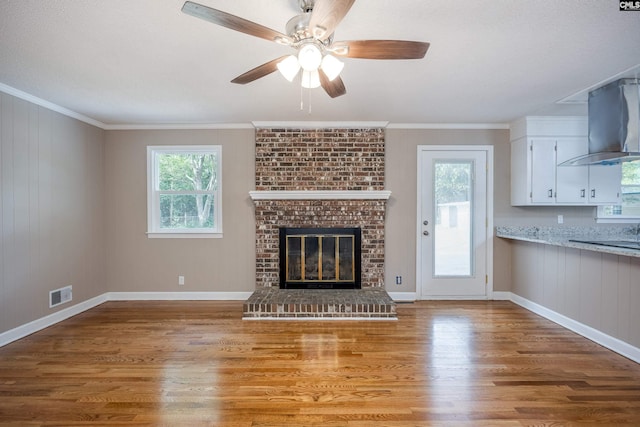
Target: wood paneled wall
596,289
51,210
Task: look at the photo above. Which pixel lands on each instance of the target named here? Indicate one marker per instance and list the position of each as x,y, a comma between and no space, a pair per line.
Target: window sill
156,235
613,220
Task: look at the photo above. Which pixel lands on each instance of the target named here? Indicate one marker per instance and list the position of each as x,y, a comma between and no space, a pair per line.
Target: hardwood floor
197,363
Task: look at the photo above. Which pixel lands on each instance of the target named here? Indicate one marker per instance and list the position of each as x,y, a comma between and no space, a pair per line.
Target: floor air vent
60,296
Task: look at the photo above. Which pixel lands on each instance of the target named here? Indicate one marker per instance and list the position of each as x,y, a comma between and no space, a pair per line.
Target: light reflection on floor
450,363
183,383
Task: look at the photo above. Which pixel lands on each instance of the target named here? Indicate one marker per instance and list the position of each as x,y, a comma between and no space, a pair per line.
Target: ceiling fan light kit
309,56
310,60
311,34
310,79
331,66
289,67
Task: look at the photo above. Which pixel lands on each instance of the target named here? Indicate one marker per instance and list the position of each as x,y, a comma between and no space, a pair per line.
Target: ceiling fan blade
234,22
326,16
381,49
334,88
258,72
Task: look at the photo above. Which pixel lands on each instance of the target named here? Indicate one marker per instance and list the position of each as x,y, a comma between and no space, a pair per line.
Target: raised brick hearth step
312,304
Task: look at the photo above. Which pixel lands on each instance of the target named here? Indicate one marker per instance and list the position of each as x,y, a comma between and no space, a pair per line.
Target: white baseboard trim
178,296
413,296
403,296
501,296
323,319
49,320
599,337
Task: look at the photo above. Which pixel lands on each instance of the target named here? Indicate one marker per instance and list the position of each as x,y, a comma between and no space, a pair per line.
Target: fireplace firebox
320,258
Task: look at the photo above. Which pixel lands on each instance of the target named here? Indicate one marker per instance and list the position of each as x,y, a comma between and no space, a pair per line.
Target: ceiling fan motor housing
298,29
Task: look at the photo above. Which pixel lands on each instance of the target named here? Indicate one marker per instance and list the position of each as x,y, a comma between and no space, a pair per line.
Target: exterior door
453,222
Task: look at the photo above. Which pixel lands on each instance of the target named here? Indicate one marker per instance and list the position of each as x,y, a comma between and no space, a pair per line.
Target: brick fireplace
320,178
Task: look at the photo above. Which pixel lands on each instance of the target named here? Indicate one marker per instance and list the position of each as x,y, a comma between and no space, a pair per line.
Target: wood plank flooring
197,363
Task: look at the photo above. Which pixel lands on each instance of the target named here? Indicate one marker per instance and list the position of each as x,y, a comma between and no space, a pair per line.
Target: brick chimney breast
327,161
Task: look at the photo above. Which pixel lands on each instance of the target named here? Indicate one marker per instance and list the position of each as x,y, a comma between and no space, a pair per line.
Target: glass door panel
453,231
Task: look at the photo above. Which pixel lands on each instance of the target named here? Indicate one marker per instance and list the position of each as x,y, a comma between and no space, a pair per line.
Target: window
184,191
629,210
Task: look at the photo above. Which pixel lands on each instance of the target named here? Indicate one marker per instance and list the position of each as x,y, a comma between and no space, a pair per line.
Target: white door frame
490,170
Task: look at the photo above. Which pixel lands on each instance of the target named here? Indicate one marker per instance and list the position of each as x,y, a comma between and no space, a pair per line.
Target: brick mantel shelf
320,195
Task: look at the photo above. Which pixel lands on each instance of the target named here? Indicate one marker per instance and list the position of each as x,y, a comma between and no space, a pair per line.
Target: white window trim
601,218
153,194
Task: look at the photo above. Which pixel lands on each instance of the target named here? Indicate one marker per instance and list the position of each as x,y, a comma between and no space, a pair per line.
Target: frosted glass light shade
289,67
309,57
310,79
331,66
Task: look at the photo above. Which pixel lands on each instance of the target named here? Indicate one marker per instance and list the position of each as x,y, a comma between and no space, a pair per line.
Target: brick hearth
307,304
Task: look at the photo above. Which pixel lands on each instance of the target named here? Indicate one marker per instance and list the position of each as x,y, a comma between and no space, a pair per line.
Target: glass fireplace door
314,259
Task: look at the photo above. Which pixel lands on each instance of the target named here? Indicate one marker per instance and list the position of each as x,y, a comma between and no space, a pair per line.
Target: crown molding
50,105
320,195
254,124
179,126
319,125
463,126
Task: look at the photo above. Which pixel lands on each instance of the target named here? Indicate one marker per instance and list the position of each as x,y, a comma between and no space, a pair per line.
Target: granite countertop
561,236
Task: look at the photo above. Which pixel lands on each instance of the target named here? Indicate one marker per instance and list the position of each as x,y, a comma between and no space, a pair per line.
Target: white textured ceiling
144,62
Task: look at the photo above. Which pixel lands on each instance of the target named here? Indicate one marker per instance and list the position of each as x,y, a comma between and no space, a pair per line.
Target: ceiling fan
311,34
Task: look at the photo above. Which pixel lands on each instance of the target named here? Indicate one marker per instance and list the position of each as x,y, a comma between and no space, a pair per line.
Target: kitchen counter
562,236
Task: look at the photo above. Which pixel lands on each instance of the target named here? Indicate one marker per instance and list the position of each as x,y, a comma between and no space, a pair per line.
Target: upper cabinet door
605,184
543,170
572,182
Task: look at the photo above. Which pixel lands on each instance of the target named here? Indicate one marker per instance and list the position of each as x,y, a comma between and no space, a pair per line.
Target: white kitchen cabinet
543,170
572,183
536,178
533,172
604,184
590,185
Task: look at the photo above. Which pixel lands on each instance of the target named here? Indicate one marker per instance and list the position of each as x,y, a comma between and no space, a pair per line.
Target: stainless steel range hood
614,123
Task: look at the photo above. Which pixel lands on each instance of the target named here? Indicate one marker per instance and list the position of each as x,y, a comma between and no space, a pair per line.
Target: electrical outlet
560,219
181,280
398,280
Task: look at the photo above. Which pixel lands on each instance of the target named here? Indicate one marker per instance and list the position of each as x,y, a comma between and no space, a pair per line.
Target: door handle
425,232
583,193
425,222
